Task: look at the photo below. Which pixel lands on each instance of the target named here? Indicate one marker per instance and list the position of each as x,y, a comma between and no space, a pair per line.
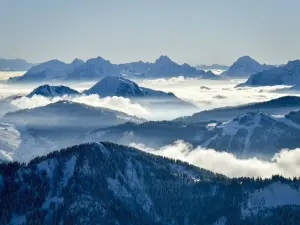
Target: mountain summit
52,91
244,67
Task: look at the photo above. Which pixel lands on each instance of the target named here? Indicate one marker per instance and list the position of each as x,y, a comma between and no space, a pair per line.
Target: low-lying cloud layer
208,94
115,103
285,163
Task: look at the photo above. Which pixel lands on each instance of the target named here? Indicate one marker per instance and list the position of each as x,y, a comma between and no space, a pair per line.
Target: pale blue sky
193,31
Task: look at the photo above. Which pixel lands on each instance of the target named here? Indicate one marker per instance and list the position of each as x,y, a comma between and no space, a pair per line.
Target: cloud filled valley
205,94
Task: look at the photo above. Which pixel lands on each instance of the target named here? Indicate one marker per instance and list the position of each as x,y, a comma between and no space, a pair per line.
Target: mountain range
247,135
97,68
104,183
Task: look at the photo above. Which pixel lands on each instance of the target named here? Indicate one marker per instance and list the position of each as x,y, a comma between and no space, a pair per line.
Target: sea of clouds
208,94
285,163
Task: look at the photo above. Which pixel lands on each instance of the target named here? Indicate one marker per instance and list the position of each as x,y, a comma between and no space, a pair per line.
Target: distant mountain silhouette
244,67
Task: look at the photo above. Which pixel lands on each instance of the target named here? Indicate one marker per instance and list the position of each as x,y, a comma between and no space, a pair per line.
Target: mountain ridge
106,183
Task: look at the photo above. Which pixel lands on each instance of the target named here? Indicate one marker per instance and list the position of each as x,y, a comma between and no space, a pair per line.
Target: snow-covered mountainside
14,65
283,75
52,91
244,67
44,129
47,71
120,86
104,183
115,86
248,135
9,141
18,144
279,106
255,135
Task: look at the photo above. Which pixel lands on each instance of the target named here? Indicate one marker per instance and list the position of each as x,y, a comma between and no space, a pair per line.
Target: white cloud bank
285,163
190,90
115,103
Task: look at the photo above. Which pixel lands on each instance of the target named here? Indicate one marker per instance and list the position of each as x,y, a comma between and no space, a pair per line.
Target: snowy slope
274,195
288,74
148,98
248,135
115,86
9,141
52,91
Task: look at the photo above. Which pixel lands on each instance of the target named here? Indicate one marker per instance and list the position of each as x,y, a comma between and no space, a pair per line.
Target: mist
285,163
205,94
209,94
115,103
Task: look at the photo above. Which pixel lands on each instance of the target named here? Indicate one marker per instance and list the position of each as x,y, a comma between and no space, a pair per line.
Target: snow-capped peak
115,86
52,91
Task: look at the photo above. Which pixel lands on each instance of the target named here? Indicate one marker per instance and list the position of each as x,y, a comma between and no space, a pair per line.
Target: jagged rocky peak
77,62
99,60
163,59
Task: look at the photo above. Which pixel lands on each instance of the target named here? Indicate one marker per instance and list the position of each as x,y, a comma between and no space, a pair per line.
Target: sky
192,31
